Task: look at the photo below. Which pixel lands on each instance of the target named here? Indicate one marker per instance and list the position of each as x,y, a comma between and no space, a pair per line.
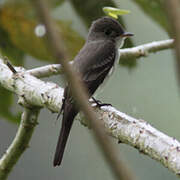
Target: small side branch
128,53
10,66
146,49
20,142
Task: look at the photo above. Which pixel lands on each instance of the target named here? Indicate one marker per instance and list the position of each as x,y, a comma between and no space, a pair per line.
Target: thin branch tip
9,65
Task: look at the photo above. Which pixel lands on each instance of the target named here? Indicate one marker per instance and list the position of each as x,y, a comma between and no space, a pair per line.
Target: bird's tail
69,114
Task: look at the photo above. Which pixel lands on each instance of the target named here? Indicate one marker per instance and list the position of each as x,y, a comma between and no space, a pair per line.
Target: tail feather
68,116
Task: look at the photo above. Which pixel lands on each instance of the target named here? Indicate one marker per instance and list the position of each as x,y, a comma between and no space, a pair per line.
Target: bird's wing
93,62
96,64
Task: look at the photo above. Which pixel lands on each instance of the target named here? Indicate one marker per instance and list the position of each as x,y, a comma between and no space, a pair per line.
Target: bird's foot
99,103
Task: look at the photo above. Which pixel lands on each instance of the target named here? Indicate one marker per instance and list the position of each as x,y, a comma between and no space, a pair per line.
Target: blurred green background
147,89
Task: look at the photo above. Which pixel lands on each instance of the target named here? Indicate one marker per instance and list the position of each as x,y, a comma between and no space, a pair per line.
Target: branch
141,135
135,52
122,127
20,142
145,49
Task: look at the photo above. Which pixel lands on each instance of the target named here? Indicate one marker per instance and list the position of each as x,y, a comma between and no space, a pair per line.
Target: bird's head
107,28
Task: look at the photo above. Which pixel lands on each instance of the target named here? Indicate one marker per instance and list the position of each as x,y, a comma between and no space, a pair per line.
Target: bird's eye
108,31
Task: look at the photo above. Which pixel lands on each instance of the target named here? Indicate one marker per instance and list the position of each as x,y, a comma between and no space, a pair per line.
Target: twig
135,52
10,65
46,71
80,94
173,12
145,49
122,127
20,142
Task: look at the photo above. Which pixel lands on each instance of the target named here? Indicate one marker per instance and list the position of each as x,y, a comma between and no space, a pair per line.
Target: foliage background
147,90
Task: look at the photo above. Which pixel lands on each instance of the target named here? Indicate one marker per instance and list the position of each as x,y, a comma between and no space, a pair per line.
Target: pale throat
120,42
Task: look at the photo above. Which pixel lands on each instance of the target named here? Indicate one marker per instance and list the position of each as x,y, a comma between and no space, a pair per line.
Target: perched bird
94,62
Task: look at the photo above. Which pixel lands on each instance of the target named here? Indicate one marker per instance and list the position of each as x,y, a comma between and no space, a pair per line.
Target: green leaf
115,12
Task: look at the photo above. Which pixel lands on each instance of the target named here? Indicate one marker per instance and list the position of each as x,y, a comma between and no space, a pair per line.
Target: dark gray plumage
93,62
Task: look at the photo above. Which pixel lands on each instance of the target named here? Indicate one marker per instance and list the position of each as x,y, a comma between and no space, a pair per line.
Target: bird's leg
99,103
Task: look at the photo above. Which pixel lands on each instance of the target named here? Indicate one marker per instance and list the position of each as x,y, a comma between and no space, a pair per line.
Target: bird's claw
99,103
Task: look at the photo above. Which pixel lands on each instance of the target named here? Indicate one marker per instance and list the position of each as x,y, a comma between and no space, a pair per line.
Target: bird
95,62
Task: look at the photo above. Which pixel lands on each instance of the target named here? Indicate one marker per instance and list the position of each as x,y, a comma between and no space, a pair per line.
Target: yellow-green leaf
115,12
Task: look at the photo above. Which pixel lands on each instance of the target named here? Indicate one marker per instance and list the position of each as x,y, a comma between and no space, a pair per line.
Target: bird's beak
127,34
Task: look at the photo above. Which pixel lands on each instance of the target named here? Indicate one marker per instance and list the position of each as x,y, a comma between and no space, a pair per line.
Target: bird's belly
101,87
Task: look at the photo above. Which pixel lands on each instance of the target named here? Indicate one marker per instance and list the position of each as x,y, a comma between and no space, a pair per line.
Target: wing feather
94,62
